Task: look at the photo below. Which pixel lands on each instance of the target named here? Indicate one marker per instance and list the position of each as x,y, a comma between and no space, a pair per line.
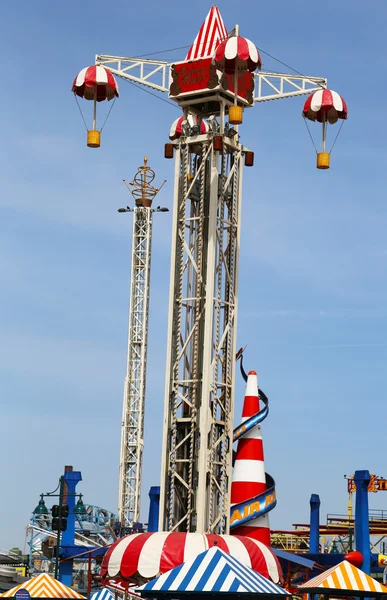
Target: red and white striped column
249,468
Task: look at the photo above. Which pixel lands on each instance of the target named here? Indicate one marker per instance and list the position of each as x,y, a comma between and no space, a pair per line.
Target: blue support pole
314,536
71,479
362,526
154,507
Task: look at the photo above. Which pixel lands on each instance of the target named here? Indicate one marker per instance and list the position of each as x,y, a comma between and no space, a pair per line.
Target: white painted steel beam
155,74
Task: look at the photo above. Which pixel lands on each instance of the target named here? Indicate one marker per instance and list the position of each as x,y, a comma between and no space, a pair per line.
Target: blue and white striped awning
211,571
102,594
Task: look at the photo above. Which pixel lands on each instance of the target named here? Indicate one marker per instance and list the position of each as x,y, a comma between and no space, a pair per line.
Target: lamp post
61,487
60,512
41,509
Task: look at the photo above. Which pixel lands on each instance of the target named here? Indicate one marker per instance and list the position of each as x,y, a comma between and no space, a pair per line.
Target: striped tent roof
102,594
119,586
344,579
211,571
211,33
143,556
43,586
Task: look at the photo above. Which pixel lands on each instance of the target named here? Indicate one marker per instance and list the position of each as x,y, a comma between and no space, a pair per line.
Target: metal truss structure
199,400
336,536
132,438
95,528
199,393
134,388
156,74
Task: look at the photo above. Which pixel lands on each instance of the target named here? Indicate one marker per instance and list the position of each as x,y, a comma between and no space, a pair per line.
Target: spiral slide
259,505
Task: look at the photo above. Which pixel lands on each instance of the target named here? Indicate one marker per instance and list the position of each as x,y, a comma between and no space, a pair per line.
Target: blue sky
313,291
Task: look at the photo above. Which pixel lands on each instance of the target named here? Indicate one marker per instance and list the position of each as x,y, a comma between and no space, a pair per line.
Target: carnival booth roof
123,586
211,572
344,579
102,594
142,556
43,586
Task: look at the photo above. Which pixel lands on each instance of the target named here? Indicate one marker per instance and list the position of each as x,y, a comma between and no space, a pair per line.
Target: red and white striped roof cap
211,33
95,82
142,556
176,129
325,105
237,54
251,391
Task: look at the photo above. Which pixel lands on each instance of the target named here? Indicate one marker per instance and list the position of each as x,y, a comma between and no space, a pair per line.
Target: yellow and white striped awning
44,586
344,577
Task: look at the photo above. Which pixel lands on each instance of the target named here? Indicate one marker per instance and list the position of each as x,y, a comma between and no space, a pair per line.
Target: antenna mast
132,437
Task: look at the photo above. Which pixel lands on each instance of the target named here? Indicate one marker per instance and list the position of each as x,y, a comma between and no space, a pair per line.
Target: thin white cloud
349,345
321,314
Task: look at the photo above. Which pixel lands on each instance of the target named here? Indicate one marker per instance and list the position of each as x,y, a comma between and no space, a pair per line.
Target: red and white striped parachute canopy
142,556
325,105
176,129
95,82
237,54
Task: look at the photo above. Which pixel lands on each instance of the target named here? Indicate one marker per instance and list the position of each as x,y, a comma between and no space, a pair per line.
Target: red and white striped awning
141,556
95,82
211,33
237,54
176,129
325,105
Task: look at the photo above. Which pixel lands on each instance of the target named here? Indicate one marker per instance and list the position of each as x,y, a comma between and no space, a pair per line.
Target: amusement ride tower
132,437
219,78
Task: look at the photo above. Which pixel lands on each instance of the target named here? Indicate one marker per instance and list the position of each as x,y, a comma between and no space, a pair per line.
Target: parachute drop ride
219,78
325,106
237,56
97,84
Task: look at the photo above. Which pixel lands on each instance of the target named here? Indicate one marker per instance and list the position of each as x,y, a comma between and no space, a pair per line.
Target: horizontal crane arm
155,74
152,73
274,86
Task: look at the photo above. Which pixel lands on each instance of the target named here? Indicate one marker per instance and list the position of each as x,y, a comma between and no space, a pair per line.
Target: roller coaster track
265,502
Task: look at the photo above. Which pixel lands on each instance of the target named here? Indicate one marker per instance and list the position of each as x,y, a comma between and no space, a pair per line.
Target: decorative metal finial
141,187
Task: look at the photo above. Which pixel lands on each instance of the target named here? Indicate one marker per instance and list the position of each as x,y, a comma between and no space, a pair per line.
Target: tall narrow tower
132,436
199,394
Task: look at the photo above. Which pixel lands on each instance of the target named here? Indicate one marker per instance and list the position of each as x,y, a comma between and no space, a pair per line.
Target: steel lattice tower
199,396
132,438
